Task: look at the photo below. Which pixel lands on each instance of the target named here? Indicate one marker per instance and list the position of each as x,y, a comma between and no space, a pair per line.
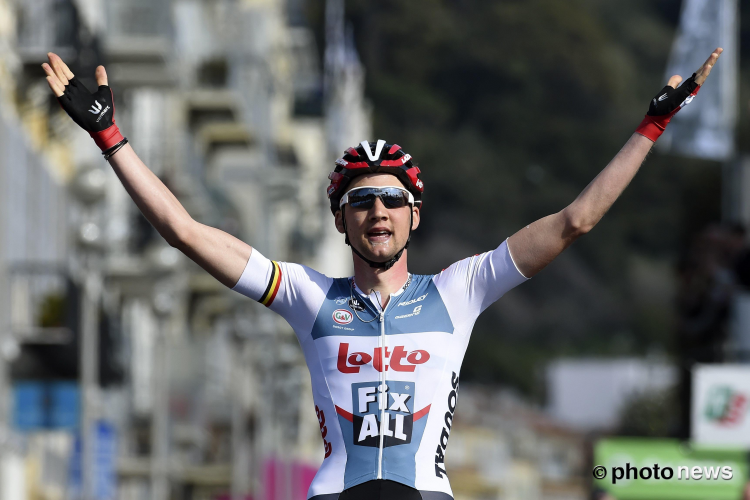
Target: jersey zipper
382,394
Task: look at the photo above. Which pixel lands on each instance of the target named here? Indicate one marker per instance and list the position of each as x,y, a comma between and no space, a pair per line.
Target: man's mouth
378,235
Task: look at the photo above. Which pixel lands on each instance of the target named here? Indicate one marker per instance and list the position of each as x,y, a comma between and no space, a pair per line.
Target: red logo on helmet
398,360
412,173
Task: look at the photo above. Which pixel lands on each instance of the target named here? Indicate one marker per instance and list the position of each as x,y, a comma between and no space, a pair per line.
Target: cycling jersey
384,382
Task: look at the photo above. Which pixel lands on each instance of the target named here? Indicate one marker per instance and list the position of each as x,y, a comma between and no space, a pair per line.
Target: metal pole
160,417
5,395
240,445
5,333
89,380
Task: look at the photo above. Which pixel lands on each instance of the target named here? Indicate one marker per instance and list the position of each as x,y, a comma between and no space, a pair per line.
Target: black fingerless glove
665,105
95,113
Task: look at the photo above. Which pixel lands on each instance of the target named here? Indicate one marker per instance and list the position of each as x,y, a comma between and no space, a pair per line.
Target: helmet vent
378,149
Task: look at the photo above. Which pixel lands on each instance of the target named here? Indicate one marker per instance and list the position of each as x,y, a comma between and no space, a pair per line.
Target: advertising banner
667,469
105,465
705,128
721,394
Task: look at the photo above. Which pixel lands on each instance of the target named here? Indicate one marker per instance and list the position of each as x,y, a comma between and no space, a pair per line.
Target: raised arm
219,253
536,245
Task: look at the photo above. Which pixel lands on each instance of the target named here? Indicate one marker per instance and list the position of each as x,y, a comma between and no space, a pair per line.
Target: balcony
138,42
40,304
46,25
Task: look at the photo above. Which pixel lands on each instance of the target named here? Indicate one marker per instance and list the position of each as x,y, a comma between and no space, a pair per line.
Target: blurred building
186,389
502,447
197,392
591,394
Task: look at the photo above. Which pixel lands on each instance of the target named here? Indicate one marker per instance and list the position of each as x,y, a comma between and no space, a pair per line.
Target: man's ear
415,217
339,218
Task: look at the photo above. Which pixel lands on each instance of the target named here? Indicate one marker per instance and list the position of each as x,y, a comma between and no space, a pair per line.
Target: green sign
667,469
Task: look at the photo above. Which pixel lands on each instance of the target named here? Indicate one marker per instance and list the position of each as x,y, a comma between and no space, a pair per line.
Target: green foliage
52,311
650,414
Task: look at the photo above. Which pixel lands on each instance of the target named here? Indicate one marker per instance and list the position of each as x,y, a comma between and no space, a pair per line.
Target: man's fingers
674,81
64,67
705,70
62,72
48,69
54,84
57,88
713,57
101,76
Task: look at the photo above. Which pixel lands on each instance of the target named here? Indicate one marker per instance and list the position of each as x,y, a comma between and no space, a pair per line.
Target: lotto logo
399,359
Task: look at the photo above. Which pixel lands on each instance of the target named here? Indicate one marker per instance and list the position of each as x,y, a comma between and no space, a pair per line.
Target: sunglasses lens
361,200
394,200
364,198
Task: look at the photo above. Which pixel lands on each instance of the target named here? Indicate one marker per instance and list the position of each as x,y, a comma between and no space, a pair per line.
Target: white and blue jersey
385,382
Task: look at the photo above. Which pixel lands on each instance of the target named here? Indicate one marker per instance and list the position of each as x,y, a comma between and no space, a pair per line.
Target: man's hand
705,70
702,73
671,99
93,112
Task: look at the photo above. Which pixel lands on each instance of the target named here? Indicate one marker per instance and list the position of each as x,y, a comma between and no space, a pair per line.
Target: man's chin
380,253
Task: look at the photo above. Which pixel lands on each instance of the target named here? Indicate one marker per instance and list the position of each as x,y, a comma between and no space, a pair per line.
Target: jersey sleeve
293,291
470,286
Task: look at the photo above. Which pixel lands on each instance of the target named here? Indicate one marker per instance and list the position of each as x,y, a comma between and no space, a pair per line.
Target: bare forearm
539,243
594,201
160,207
219,253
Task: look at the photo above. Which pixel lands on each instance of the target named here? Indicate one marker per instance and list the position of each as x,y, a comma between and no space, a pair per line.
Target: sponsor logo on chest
383,413
342,316
413,301
393,402
398,359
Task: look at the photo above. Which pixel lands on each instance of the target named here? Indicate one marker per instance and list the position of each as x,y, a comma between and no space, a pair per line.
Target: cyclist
384,347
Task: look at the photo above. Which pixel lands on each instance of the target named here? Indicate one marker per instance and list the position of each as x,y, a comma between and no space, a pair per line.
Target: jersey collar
375,295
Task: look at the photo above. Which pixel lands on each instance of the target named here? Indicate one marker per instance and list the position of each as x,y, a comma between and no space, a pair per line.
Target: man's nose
378,210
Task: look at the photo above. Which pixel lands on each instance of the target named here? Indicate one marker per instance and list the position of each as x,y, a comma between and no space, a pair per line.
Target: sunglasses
364,197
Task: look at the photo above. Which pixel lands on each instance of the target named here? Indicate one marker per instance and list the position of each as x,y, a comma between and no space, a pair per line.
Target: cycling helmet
374,158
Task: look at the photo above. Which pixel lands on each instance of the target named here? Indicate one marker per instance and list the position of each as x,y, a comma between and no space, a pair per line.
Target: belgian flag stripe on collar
273,285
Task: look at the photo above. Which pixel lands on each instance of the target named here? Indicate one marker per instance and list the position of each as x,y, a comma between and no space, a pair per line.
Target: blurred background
128,373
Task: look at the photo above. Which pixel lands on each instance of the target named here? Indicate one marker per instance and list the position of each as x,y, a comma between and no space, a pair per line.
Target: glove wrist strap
107,138
650,128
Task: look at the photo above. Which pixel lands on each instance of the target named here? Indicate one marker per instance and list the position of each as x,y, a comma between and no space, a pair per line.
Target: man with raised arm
384,347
